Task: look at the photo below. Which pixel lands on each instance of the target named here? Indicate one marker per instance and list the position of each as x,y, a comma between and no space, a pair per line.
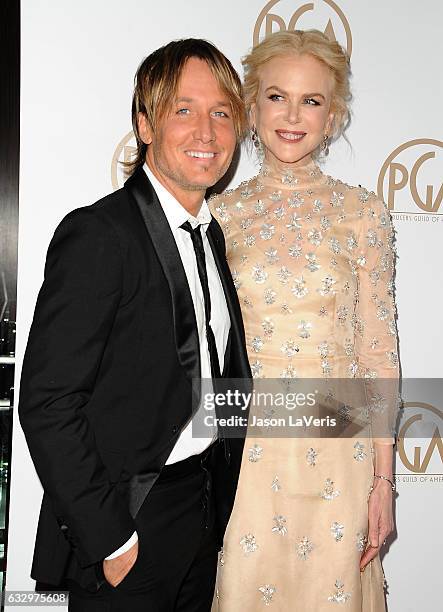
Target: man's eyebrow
190,100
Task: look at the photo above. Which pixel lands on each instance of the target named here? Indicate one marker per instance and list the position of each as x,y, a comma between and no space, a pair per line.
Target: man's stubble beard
181,180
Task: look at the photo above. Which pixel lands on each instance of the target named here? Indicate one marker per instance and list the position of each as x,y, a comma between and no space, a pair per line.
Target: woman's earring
325,145
255,138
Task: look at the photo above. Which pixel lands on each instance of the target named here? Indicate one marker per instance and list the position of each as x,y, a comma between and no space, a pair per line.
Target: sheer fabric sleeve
375,319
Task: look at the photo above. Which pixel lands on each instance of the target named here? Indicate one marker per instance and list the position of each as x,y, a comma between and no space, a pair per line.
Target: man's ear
144,129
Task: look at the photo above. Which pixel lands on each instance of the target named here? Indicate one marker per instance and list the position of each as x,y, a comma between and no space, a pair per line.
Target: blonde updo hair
303,42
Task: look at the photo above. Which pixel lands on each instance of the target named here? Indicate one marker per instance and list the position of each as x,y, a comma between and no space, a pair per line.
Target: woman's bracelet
385,478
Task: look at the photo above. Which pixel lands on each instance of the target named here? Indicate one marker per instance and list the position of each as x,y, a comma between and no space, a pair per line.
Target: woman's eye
275,97
220,114
183,111
312,102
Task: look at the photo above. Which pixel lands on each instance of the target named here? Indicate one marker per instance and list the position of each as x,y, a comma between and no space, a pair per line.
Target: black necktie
199,250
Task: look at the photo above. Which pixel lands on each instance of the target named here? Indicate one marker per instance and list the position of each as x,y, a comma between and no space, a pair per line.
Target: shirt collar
175,213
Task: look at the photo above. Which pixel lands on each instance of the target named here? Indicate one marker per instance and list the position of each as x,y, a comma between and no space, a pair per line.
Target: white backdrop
78,62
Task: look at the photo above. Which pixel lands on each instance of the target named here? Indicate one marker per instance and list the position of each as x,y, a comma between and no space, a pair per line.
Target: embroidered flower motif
295,200
326,367
257,344
304,548
267,591
236,279
344,414
361,541
328,492
393,357
270,296
223,212
288,178
325,223
374,343
256,369
286,309
317,206
284,274
290,348
272,256
351,241
294,223
275,196
337,199
246,223
324,349
299,288
280,525
363,195
259,207
295,250
334,245
342,313
255,453
289,372
247,302
315,237
276,486
259,274
267,231
312,264
311,457
322,312
339,596
221,557
371,237
382,311
248,543
246,193
337,531
268,326
361,260
249,240
279,213
304,327
359,451
327,286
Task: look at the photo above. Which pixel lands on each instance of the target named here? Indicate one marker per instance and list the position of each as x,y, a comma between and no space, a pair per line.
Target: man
137,303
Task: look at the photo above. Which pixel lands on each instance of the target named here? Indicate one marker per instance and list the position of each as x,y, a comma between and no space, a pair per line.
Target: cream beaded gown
312,261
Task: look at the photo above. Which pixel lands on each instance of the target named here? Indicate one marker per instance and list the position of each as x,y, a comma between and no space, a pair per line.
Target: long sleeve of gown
374,321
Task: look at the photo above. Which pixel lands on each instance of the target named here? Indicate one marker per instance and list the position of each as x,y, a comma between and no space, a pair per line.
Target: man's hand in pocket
116,569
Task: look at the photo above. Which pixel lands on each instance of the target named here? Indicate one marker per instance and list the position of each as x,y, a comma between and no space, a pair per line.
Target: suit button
64,527
175,429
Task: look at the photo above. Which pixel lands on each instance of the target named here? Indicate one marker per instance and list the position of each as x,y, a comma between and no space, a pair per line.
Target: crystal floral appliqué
339,596
267,591
304,548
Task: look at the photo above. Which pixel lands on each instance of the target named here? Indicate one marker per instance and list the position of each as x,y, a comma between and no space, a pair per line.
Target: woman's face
292,110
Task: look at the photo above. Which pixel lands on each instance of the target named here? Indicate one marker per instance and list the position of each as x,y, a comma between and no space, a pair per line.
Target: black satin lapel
226,281
185,324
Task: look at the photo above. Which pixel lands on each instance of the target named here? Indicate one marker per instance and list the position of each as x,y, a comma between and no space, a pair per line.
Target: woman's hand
381,521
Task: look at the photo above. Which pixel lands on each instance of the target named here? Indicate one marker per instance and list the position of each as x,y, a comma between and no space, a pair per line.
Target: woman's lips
289,136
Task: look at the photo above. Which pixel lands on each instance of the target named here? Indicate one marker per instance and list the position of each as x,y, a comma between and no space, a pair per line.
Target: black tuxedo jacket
106,383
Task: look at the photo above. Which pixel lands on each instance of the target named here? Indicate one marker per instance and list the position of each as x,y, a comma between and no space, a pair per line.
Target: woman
312,259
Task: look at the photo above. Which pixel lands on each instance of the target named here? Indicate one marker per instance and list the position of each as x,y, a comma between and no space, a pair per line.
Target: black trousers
177,559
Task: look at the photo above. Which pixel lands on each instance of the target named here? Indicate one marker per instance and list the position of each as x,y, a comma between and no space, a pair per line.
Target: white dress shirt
176,215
